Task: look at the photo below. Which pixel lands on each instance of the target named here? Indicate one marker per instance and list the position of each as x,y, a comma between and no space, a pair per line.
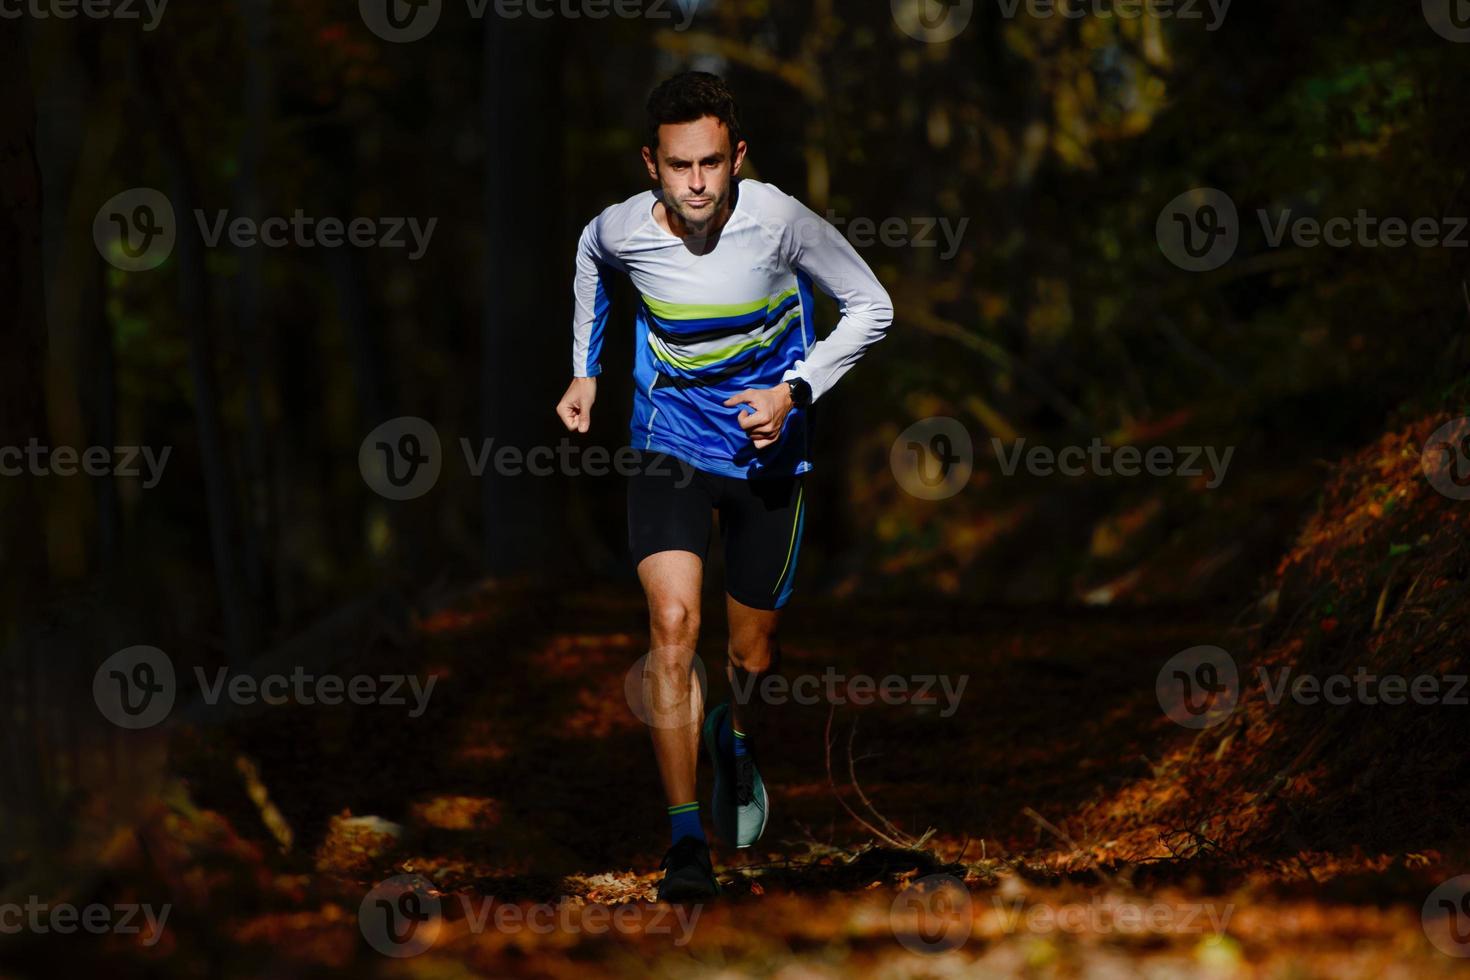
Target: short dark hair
689,96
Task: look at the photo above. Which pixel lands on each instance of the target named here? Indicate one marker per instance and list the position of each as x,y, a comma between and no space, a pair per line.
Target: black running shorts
670,506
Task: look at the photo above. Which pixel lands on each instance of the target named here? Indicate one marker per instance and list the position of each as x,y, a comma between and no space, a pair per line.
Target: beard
698,220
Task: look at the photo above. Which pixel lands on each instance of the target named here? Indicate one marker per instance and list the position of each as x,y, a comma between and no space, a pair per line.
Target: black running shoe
688,874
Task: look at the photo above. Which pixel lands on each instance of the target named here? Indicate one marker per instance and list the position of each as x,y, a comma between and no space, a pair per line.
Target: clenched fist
575,407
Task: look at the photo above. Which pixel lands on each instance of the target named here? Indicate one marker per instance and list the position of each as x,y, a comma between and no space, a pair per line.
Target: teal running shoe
740,805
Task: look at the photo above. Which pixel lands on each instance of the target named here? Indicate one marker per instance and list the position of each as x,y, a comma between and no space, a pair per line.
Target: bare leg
753,653
671,581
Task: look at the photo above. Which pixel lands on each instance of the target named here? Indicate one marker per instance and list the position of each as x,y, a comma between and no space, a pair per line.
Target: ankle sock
684,822
739,748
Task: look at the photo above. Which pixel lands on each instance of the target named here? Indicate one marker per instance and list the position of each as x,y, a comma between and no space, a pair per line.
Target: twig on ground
1047,825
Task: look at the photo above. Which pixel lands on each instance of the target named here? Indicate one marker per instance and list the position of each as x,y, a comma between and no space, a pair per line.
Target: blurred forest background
1057,319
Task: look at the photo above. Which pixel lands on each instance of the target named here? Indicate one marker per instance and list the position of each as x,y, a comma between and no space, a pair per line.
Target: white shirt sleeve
818,249
591,299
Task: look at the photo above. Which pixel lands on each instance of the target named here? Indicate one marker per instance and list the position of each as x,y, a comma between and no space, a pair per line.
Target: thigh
669,509
761,524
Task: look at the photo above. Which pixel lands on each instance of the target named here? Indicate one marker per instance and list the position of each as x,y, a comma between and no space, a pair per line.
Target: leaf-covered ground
1026,808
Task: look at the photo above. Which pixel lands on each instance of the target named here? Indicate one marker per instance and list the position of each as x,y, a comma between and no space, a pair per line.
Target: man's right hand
575,407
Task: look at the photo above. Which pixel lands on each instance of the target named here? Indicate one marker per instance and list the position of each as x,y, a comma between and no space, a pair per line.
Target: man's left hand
771,405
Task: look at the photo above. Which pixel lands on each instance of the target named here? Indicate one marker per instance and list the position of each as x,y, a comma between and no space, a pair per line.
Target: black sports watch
801,392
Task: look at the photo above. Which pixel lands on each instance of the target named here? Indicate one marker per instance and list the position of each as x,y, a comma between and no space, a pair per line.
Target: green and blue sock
684,822
732,741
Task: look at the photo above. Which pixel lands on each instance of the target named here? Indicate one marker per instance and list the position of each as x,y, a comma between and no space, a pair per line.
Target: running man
727,371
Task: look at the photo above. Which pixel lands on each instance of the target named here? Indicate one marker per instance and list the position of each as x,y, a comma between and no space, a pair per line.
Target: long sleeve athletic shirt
710,326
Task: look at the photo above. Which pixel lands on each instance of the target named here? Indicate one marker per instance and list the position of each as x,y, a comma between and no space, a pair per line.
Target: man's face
694,166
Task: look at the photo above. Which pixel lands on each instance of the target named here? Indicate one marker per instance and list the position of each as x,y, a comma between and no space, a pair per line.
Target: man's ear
651,162
740,149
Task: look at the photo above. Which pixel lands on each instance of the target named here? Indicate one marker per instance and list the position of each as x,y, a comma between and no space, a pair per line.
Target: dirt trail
526,795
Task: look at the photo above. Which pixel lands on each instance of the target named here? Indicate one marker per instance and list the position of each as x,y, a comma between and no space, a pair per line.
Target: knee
755,654
674,623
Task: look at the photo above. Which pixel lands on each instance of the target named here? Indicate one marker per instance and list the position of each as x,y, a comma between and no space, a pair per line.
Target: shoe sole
689,893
